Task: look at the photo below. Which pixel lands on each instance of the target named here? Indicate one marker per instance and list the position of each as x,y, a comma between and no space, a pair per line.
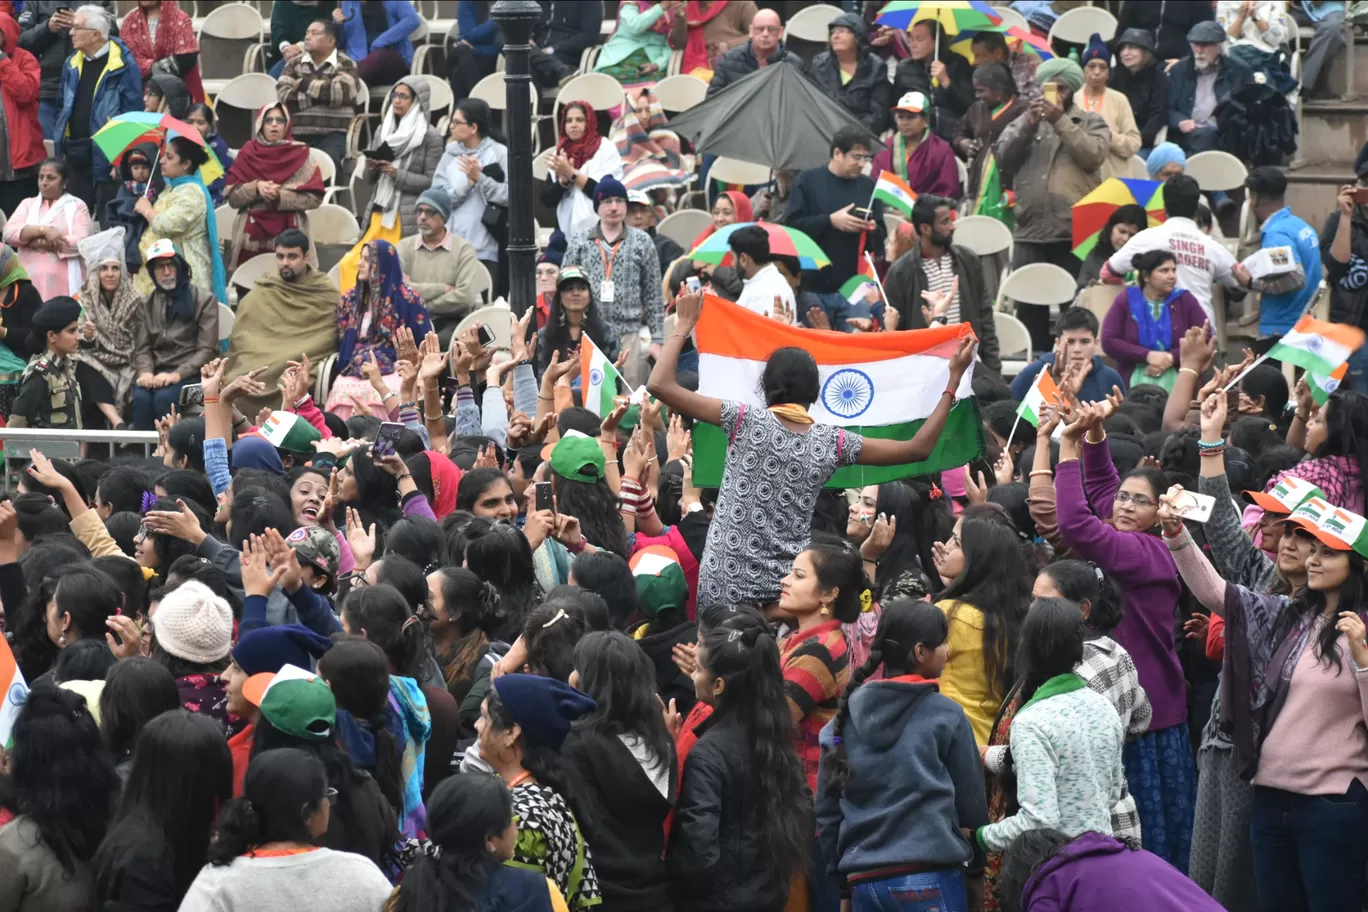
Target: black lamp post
517,19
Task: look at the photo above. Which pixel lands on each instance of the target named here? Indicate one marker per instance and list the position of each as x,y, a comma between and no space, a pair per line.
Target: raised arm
663,383
899,452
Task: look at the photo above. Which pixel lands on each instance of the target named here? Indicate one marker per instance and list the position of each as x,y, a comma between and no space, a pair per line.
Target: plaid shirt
1108,670
816,668
320,98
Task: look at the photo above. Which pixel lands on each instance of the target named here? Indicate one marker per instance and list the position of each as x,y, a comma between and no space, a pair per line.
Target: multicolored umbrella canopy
1017,39
1090,214
127,130
784,241
953,16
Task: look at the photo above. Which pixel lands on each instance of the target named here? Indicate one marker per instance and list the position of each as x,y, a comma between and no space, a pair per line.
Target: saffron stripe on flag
961,442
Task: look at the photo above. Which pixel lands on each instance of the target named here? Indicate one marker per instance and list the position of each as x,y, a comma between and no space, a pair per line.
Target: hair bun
751,635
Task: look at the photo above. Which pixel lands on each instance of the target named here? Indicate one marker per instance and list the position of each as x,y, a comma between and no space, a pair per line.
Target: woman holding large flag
573,314
779,458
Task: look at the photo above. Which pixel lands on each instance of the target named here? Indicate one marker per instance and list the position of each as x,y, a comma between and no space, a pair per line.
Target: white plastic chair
484,288
1138,169
225,216
225,325
246,275
238,101
1011,17
983,235
684,225
1216,170
599,89
734,171
334,224
1079,24
1041,284
1013,339
327,168
892,219
498,319
810,23
492,91
679,93
227,37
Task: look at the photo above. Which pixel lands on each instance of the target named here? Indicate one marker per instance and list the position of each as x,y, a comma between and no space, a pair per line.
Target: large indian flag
1318,346
894,191
876,384
13,695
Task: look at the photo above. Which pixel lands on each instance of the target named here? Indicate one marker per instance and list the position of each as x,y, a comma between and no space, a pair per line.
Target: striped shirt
816,668
940,278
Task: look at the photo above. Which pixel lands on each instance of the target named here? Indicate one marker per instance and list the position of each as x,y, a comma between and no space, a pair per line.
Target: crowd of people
466,632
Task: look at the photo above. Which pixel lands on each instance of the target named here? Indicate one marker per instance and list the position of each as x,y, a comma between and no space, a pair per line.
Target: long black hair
1310,603
1346,431
377,491
550,633
904,625
557,329
837,565
996,582
64,780
1079,582
182,771
596,507
1051,643
281,792
919,522
744,654
388,621
499,554
609,576
463,814
90,597
790,376
41,566
618,675
358,673
1022,859
419,539
136,691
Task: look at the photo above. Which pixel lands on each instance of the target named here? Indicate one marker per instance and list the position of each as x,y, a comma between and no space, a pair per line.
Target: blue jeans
1309,851
279,68
48,112
935,891
151,404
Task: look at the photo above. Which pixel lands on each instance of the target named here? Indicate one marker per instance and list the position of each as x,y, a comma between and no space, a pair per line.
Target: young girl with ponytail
900,774
472,833
264,857
740,828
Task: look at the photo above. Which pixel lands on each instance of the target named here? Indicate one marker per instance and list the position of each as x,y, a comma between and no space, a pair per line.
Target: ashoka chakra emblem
847,393
595,376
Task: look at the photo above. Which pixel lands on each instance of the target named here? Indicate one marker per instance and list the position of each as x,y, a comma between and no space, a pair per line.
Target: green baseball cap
288,432
301,707
578,457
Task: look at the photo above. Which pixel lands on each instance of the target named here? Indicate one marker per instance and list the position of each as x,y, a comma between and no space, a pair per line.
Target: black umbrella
776,116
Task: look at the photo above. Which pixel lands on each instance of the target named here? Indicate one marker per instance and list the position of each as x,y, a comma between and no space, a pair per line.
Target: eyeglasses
771,29
356,579
861,157
460,123
404,96
1140,500
143,533
275,121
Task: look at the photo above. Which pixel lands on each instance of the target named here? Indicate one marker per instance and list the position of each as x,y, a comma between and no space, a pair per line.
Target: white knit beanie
193,624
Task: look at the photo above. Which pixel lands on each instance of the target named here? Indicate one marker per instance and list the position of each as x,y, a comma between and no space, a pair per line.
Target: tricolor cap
287,431
1344,531
1310,513
912,103
254,688
571,274
160,248
660,582
1285,496
297,703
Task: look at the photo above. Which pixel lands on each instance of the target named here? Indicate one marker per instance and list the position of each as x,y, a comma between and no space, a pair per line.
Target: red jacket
20,78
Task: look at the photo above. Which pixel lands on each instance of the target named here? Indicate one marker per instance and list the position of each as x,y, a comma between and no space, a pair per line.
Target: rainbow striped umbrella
953,16
129,129
784,241
1018,39
1090,214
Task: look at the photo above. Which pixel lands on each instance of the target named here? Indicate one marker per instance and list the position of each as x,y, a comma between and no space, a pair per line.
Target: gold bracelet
1189,370
1036,472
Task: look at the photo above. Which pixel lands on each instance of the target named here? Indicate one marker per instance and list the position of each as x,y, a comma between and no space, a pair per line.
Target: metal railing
67,445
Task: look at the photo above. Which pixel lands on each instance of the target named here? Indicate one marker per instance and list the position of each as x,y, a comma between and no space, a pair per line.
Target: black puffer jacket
738,63
714,855
948,102
868,95
1148,93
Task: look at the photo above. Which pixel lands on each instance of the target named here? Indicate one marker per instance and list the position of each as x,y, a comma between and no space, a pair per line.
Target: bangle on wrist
406,476
209,400
1189,370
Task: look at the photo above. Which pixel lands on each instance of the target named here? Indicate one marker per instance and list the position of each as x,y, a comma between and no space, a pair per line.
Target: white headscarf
103,247
403,136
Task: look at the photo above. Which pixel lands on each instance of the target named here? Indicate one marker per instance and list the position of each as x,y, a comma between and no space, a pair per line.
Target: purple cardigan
931,169
1121,336
1141,564
1083,877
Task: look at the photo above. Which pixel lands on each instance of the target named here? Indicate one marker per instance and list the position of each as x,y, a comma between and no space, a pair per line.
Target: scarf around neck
1154,332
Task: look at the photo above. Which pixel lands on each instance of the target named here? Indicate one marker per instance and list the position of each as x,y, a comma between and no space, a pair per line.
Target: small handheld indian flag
1044,391
598,378
856,288
895,192
14,694
1323,386
1318,346
875,384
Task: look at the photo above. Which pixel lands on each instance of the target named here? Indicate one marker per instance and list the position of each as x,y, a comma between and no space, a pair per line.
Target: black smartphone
486,337
192,396
387,438
543,496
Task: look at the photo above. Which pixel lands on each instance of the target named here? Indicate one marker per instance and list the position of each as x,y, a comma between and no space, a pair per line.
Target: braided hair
904,625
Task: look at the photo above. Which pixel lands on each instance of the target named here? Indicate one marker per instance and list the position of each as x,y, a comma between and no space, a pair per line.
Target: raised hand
1170,512
360,539
939,302
1214,409
405,348
1003,469
243,385
678,440
880,537
180,524
817,318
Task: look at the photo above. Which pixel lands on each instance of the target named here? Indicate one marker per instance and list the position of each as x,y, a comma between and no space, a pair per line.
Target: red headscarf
581,150
276,162
446,478
744,213
175,35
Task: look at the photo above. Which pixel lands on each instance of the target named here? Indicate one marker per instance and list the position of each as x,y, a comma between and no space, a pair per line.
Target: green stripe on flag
1291,354
960,442
897,202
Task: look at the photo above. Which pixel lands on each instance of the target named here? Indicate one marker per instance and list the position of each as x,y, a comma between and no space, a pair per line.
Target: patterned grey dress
764,507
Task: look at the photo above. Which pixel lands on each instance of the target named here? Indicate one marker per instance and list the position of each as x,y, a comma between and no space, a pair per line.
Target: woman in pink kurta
45,230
